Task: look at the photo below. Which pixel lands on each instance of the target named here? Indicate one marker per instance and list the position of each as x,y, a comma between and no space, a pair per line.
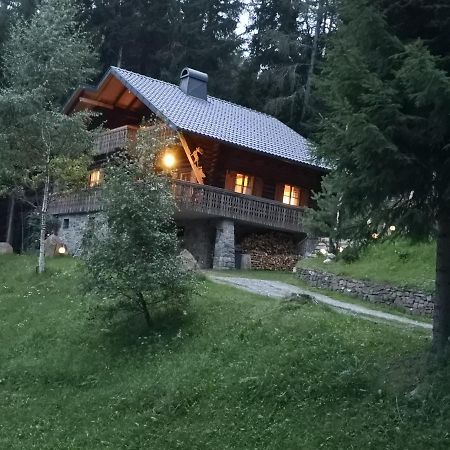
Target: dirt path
277,289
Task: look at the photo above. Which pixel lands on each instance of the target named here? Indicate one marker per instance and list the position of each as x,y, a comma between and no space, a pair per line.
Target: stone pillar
224,253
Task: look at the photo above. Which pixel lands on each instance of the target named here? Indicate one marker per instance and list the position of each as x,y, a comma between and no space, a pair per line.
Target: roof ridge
209,96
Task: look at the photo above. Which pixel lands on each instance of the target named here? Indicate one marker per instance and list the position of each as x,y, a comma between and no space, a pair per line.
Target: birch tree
45,58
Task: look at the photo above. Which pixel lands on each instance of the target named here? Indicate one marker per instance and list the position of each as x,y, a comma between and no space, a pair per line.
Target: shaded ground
236,371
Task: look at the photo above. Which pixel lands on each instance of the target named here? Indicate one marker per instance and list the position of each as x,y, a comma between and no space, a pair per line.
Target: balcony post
224,249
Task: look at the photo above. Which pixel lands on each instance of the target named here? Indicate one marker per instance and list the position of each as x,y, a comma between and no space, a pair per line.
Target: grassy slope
399,262
290,278
240,372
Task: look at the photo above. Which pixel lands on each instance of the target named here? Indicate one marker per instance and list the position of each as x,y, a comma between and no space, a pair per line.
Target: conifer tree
387,132
286,49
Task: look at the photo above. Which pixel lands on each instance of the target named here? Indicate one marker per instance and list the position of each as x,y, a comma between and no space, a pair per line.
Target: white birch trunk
41,263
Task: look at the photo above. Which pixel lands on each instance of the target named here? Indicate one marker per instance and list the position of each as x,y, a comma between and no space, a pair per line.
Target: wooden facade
226,187
216,197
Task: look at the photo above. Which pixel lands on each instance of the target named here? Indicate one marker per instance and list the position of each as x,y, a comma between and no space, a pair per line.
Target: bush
350,254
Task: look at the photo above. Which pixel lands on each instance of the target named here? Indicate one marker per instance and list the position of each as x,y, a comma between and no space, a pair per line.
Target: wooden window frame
289,197
246,187
95,182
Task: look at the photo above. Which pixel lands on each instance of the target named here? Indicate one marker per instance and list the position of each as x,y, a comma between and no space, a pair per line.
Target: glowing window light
291,195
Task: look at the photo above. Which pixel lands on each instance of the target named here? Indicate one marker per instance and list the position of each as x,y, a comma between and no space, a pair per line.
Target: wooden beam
198,172
136,105
96,103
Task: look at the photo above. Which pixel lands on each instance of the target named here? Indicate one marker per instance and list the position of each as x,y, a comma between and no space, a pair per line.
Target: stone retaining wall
415,302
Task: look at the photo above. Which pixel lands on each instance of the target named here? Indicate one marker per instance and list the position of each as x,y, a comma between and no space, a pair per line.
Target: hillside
398,262
237,371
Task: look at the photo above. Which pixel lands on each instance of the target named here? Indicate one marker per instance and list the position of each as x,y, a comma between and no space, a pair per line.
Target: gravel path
277,289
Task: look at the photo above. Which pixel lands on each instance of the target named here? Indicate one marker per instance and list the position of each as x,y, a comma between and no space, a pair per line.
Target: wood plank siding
111,140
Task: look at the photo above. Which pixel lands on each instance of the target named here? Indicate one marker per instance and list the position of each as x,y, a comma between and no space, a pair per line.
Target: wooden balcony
200,201
111,140
197,200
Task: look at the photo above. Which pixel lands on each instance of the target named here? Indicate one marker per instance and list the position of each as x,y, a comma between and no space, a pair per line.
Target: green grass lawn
398,262
238,371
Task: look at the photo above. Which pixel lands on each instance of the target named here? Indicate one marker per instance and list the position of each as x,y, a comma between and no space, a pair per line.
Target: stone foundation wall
198,238
72,236
415,302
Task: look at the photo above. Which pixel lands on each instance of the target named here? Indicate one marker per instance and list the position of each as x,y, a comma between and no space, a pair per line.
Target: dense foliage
386,128
263,54
44,59
131,252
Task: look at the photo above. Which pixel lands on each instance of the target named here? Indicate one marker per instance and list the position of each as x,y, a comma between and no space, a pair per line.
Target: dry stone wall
415,302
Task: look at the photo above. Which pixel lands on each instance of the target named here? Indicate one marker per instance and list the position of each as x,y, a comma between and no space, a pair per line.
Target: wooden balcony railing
211,201
111,140
197,200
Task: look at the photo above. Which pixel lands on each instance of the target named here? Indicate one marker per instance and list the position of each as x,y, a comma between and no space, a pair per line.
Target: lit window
184,176
95,178
291,195
243,184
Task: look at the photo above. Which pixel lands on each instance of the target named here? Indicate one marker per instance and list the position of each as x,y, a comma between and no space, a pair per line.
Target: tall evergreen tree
160,38
387,131
287,45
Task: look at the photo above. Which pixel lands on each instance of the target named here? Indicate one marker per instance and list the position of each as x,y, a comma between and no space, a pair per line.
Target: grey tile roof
218,119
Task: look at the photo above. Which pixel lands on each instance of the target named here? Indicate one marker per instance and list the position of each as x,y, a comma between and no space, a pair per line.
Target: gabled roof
217,119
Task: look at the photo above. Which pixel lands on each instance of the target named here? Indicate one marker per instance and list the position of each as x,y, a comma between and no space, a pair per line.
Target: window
95,177
65,224
243,184
291,195
184,176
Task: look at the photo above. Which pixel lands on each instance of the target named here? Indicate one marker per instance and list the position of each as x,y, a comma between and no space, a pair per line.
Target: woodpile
271,251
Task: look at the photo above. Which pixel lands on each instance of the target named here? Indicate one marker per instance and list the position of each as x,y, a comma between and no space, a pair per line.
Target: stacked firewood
271,251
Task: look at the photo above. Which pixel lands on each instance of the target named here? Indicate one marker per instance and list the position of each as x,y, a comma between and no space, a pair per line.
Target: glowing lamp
62,250
375,235
169,160
392,228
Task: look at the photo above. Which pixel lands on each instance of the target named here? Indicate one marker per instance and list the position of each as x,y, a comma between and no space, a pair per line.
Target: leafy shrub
131,257
350,254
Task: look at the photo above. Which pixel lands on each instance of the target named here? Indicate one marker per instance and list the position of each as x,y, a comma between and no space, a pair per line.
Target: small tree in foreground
131,258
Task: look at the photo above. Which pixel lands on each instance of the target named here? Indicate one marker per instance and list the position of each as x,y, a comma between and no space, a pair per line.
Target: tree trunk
145,310
441,315
9,227
41,265
312,64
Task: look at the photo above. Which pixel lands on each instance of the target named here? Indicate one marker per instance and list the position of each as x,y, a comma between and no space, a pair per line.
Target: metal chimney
194,83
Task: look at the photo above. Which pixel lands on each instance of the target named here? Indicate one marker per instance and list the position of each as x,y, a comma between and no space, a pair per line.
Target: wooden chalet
236,171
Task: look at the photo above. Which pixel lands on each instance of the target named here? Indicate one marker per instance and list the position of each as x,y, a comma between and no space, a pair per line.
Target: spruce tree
288,41
387,132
